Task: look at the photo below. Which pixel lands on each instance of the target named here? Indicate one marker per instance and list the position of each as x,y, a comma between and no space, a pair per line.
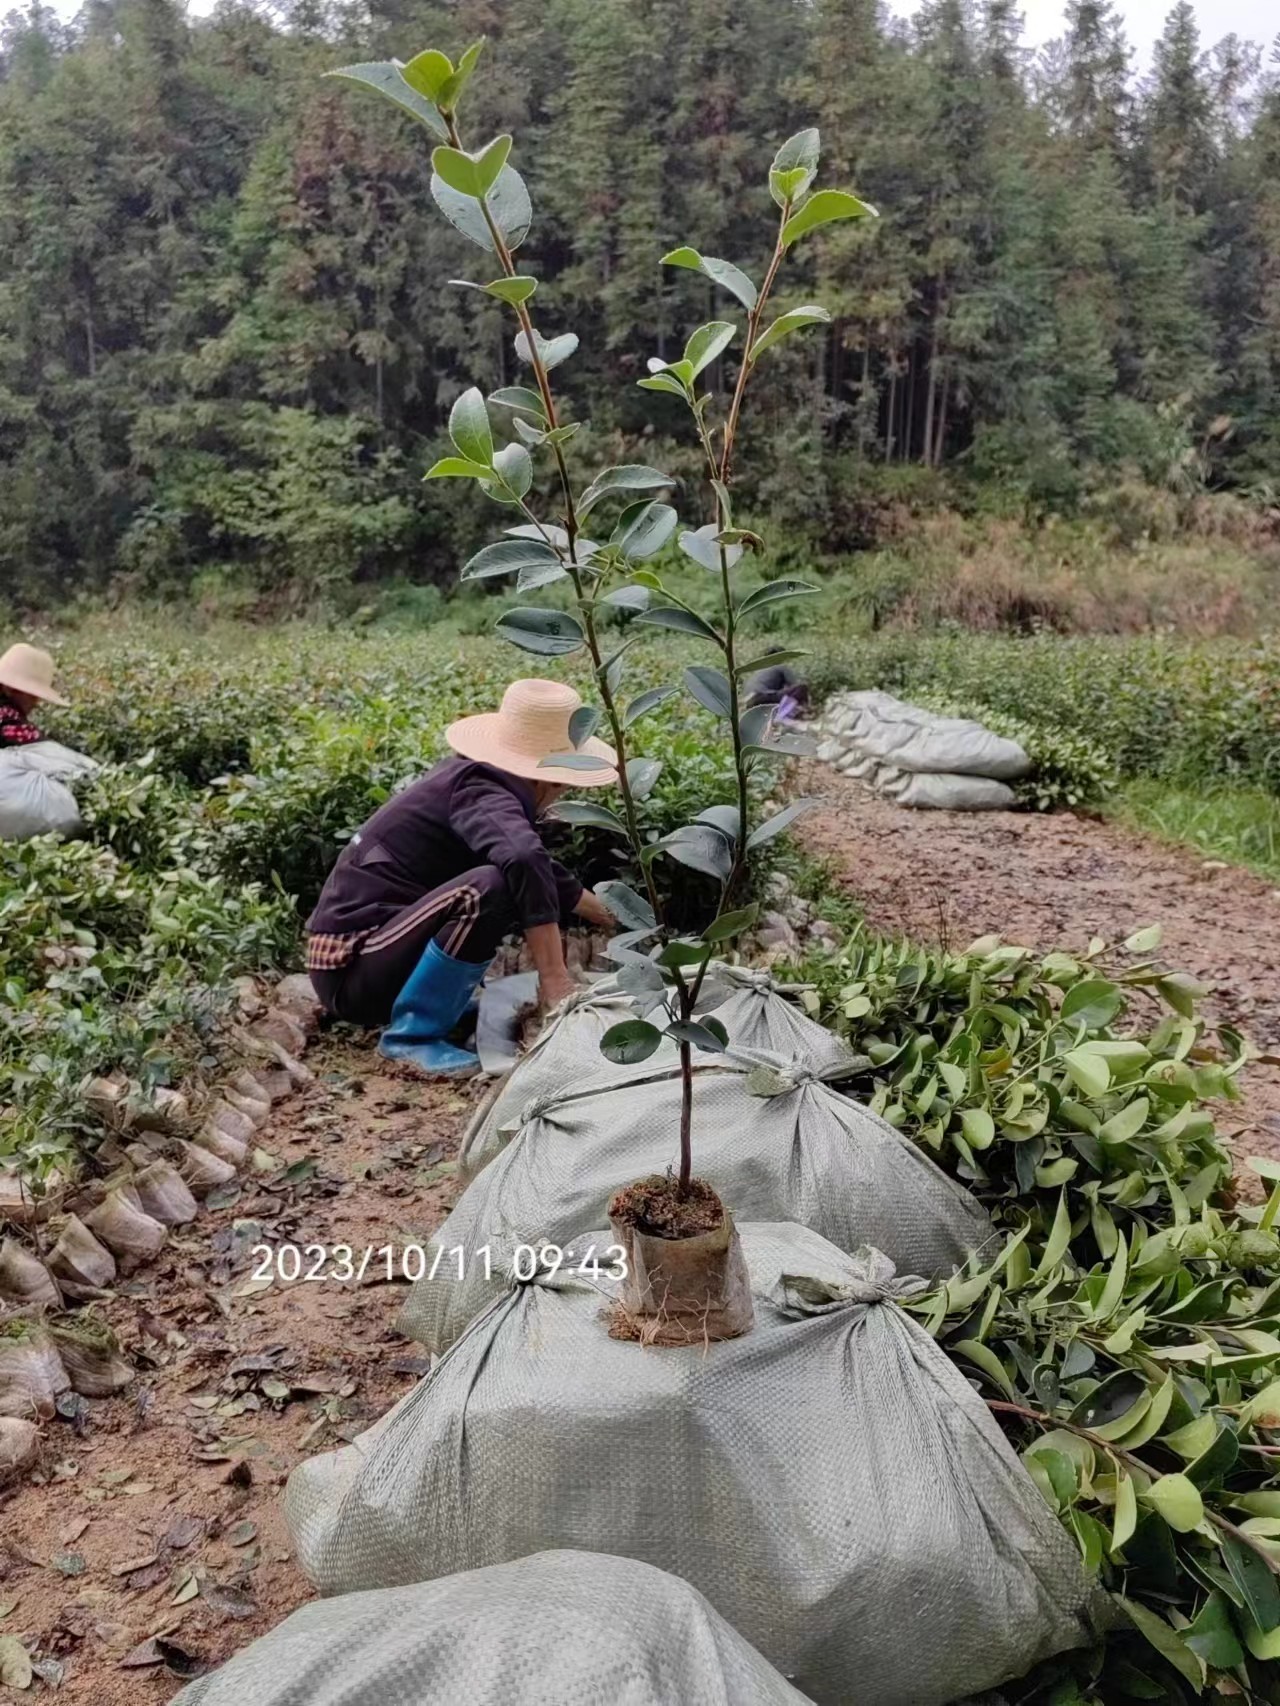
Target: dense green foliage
229,347
1125,1327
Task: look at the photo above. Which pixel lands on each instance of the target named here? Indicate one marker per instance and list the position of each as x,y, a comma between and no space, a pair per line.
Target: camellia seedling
683,1251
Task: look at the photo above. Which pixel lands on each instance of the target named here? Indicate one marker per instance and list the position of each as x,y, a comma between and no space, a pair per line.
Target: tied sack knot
872,1279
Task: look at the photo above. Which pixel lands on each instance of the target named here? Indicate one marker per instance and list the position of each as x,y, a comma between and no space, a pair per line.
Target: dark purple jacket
459,815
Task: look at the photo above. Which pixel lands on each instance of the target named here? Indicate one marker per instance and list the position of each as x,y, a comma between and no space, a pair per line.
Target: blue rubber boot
438,993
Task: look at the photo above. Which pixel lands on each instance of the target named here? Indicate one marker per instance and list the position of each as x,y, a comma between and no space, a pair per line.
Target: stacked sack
574,1627
830,1482
919,759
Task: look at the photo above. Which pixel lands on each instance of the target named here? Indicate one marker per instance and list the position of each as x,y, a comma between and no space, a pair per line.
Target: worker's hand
553,988
592,910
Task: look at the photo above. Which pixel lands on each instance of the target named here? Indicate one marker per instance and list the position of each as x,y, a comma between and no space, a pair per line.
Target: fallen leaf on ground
73,1531
242,1533
15,1662
133,1564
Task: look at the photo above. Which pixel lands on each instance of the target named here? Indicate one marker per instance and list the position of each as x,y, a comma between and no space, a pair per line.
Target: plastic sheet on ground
830,1481
755,1011
34,796
573,1628
806,1154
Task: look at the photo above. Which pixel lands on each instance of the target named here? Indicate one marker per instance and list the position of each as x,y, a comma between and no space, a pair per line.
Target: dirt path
1054,882
164,1517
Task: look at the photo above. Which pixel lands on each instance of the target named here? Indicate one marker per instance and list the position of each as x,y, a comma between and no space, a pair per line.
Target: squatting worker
414,909
26,678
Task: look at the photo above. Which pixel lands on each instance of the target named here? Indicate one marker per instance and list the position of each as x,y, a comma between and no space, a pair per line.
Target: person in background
780,686
420,898
26,678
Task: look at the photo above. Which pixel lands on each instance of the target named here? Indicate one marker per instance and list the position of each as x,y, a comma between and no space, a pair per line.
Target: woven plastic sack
830,1481
911,738
807,1154
573,1628
754,1011
34,797
943,793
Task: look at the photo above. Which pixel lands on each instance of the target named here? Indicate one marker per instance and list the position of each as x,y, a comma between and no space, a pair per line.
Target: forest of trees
228,341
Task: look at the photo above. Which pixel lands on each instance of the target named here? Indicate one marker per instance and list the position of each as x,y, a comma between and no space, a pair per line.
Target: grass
1240,825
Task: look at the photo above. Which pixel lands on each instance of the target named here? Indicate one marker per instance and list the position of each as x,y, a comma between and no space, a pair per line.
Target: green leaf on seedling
708,1035
645,702
723,273
821,209
710,687
518,397
583,724
513,468
584,761
701,848
633,598
774,593
475,174
507,203
511,557
778,822
550,633
451,90
810,315
428,73
702,548
983,1357
706,344
388,79
685,621
551,351
662,382
626,905
723,818
469,428
630,477
767,660
587,815
794,167
643,529
630,1042
457,468
513,290
642,775
730,924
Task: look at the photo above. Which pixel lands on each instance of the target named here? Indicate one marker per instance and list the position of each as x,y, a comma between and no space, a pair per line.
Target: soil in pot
686,1278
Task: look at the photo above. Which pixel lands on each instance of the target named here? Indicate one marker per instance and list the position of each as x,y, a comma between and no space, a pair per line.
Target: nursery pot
680,1287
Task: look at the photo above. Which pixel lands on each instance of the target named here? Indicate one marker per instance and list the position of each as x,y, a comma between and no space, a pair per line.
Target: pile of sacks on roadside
917,758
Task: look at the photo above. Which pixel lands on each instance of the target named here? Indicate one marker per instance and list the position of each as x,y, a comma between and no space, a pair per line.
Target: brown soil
177,1482
1056,881
655,1207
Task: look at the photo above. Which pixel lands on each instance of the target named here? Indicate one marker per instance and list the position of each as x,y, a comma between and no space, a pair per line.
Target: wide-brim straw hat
26,669
533,725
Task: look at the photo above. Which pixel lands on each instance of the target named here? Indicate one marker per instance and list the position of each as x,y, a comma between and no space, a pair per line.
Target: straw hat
29,670
533,724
